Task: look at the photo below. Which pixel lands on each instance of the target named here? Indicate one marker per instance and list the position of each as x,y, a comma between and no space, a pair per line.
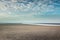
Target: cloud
27,7
33,11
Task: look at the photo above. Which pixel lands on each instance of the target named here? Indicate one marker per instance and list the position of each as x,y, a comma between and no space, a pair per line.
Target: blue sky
29,11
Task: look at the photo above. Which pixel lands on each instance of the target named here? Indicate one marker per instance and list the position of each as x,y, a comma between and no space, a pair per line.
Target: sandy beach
29,32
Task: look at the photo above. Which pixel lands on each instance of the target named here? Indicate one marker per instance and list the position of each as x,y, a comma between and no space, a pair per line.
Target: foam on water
47,24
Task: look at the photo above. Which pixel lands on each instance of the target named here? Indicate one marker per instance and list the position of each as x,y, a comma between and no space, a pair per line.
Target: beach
29,32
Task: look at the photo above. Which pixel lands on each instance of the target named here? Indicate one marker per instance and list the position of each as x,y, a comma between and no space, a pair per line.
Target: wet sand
29,32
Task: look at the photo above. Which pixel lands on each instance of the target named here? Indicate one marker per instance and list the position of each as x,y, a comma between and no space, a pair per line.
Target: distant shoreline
42,24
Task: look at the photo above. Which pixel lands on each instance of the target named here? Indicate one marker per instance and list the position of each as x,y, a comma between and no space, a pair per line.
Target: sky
29,11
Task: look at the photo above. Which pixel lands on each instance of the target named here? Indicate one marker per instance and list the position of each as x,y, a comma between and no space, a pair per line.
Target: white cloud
14,10
33,9
14,0
3,15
